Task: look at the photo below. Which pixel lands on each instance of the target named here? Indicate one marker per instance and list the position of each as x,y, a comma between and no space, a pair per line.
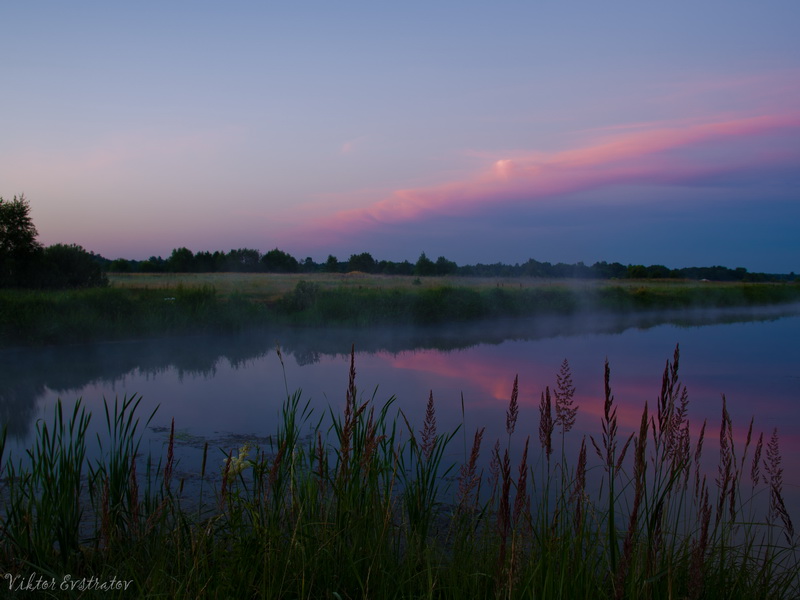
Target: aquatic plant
358,504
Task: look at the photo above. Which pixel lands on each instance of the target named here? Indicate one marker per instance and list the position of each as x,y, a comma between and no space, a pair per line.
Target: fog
29,373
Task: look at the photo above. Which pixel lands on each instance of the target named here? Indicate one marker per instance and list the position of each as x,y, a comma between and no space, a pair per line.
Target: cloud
662,153
350,146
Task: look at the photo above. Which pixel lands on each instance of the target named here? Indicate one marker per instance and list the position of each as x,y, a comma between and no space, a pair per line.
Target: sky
635,132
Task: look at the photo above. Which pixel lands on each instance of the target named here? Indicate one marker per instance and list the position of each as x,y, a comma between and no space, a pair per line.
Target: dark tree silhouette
70,266
278,261
362,262
331,265
425,266
19,249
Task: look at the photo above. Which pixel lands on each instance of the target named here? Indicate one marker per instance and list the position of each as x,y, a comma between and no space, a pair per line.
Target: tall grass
114,313
364,504
126,312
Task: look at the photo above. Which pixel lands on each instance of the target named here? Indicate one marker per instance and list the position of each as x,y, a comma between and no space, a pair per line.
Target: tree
658,272
18,246
308,265
445,267
404,268
362,262
154,264
70,266
331,265
278,261
181,261
120,265
243,259
425,266
205,262
637,271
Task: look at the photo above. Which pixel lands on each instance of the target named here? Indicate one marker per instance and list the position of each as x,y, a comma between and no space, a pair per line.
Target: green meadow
144,305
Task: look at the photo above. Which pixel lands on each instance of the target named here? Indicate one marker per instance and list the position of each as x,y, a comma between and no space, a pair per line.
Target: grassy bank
364,505
41,317
148,305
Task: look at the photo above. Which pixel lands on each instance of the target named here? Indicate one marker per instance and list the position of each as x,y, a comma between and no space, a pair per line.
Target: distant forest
25,263
246,260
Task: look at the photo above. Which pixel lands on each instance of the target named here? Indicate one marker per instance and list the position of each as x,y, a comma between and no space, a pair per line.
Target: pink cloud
652,152
350,146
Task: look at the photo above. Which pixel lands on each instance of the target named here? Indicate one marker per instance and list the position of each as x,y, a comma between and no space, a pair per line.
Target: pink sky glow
400,129
613,159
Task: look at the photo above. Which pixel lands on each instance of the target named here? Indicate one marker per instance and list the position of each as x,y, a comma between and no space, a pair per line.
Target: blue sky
484,132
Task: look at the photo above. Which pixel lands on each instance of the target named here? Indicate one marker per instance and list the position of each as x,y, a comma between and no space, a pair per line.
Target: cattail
684,454
697,454
725,460
774,471
351,384
609,424
546,423
663,409
576,496
680,432
346,437
223,494
513,408
699,548
503,515
205,457
372,441
429,429
321,462
134,496
521,499
351,415
280,355
621,457
276,464
639,466
564,393
170,457
494,467
105,515
468,478
772,464
755,470
788,527
747,442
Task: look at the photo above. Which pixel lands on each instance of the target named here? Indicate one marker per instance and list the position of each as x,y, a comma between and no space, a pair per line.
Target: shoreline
135,308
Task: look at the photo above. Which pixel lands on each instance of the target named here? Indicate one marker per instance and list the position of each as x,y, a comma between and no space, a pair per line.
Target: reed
357,503
141,307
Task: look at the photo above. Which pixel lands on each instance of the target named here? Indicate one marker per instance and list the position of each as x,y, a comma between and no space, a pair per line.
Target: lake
229,390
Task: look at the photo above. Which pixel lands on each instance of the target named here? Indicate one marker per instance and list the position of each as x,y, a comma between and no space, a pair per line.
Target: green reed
35,317
361,503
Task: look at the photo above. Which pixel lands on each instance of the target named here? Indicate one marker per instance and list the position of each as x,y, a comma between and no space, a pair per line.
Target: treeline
247,260
25,263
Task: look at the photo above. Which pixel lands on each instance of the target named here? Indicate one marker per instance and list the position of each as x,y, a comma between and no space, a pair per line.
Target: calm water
228,390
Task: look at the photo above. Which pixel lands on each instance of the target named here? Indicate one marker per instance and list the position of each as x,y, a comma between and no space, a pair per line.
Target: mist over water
228,390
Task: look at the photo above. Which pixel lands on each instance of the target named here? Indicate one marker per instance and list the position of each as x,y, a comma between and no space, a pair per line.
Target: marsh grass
137,306
114,313
364,504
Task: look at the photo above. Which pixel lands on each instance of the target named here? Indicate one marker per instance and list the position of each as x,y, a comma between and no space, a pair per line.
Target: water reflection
229,390
30,375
